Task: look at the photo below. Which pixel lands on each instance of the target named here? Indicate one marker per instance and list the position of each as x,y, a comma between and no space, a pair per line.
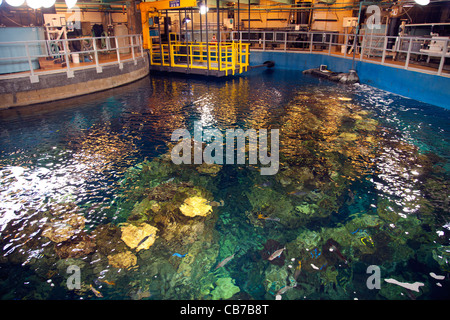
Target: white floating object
411,286
314,267
436,276
278,297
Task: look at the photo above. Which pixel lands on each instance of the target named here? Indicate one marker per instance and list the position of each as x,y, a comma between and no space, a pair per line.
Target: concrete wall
412,84
21,92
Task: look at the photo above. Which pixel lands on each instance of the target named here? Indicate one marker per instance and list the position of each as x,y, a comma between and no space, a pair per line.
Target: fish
111,283
339,253
265,184
285,288
276,254
316,254
96,292
143,240
298,193
260,216
179,255
213,203
140,294
224,261
367,241
298,270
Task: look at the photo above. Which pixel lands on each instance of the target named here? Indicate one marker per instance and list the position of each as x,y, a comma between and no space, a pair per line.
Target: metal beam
166,4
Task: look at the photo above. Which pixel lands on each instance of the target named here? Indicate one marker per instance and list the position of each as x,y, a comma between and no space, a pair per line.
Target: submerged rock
122,260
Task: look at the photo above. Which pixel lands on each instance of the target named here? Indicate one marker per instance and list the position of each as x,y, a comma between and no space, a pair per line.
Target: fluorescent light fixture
15,3
422,2
71,3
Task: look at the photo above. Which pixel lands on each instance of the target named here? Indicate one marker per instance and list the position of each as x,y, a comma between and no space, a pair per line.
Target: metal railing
95,52
229,57
394,51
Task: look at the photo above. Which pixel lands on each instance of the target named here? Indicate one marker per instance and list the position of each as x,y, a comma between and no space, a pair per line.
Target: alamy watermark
74,280
374,21
214,150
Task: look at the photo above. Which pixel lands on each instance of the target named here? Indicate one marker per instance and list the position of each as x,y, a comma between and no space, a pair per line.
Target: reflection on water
362,181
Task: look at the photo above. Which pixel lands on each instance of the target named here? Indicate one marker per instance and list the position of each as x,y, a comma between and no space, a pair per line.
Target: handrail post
285,41
310,42
132,49
66,56
118,53
345,45
408,54
329,44
384,49
361,54
444,53
33,78
97,66
264,41
219,55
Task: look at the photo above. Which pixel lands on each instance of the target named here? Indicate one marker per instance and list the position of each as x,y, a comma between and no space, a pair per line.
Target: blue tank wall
10,34
415,85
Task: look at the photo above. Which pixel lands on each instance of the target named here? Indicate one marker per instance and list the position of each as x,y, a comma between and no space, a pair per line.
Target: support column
133,18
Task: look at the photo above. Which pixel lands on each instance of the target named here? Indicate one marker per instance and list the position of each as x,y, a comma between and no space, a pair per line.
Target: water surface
363,180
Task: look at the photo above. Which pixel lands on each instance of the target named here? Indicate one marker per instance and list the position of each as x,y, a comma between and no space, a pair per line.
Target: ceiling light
34,4
15,3
422,2
48,3
203,9
71,3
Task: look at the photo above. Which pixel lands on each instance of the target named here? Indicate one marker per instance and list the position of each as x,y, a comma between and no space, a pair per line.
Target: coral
329,276
308,239
62,228
273,204
306,208
184,233
195,206
225,289
442,257
275,279
366,124
211,169
347,136
385,210
108,239
122,260
141,237
78,246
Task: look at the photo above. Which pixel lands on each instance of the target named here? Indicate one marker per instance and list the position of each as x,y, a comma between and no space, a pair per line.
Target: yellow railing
229,57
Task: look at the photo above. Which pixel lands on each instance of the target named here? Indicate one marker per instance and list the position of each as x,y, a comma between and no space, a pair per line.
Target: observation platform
203,58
